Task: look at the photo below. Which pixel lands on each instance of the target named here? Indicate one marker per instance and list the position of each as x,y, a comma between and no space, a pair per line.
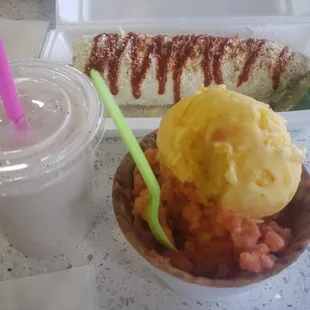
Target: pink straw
8,90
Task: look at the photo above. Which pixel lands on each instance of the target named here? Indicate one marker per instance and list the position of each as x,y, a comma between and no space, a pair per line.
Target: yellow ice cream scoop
235,150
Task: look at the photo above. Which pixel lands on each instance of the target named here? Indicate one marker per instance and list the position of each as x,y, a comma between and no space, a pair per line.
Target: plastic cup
46,161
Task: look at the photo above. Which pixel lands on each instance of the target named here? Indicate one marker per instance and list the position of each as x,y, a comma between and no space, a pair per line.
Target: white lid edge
296,120
185,22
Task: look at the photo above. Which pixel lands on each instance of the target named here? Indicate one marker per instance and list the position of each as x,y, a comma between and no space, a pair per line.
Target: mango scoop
137,154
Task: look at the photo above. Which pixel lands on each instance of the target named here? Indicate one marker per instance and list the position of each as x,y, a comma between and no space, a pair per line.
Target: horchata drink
46,161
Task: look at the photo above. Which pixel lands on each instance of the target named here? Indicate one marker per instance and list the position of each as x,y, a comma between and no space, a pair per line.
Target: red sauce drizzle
139,70
254,47
116,51
108,55
207,60
279,68
217,58
96,61
163,53
183,48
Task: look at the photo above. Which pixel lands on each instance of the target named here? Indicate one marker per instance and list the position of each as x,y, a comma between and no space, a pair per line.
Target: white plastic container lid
284,21
90,12
64,115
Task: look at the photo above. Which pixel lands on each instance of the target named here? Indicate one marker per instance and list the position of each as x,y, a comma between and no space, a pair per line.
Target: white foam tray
284,21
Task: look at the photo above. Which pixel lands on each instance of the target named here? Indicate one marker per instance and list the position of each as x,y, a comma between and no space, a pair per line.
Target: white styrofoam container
284,21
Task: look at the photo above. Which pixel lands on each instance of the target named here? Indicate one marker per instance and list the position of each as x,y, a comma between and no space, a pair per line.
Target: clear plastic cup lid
63,116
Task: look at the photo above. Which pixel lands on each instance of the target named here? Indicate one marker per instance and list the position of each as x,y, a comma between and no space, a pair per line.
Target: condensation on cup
46,161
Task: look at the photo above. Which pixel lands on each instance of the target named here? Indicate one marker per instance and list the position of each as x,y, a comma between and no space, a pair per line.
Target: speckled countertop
122,279
28,9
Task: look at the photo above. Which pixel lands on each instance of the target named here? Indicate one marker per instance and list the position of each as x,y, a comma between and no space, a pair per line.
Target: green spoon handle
127,136
138,156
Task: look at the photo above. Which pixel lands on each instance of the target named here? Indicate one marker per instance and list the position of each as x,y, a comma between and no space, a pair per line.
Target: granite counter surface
122,278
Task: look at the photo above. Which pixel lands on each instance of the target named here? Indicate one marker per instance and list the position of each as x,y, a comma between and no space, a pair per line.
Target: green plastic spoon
134,148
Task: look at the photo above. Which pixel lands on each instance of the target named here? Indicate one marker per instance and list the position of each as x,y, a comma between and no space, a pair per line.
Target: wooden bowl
298,210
